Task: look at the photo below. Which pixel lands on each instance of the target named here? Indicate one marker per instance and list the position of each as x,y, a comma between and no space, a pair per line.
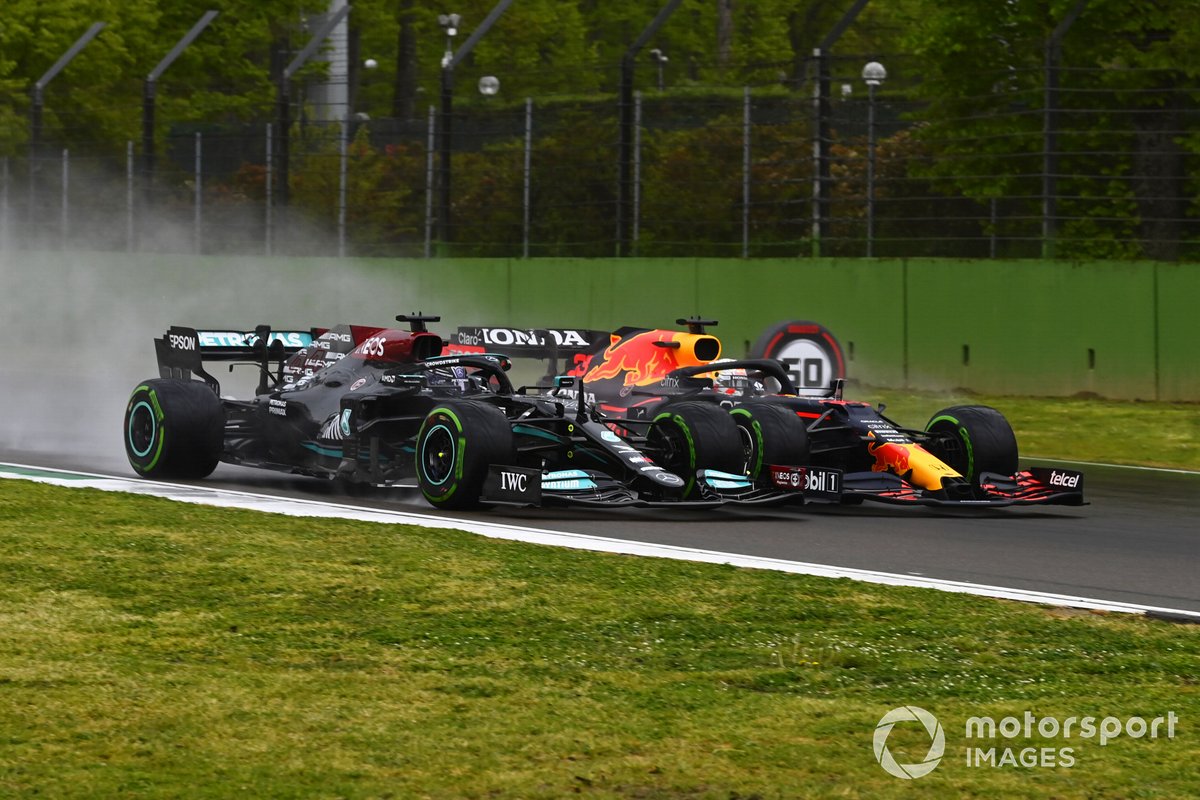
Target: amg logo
1068,480
182,342
514,482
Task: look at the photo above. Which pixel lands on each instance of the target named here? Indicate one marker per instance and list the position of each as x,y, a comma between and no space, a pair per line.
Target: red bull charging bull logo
638,358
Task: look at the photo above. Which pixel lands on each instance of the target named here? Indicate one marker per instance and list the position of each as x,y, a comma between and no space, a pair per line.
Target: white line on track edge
1110,466
229,498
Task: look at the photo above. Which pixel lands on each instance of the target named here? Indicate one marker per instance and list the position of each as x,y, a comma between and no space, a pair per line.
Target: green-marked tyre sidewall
681,424
481,436
440,491
777,436
753,469
174,429
985,437
144,461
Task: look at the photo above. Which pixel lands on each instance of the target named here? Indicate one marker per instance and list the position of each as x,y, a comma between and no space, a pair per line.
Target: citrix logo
936,748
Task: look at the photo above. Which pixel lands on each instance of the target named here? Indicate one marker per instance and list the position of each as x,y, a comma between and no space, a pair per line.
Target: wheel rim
143,429
438,454
952,450
749,450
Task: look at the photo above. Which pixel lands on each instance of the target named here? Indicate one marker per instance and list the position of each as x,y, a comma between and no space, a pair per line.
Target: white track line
228,498
1111,466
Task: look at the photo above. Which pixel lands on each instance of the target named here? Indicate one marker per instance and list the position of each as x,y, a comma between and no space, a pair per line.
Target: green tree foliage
983,67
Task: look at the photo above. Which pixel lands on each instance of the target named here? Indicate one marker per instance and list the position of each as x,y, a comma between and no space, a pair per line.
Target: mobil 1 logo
808,350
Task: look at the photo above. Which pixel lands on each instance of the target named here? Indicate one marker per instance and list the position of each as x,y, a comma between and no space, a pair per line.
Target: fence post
269,216
342,176
429,146
4,204
746,172
129,196
65,223
197,203
635,226
528,184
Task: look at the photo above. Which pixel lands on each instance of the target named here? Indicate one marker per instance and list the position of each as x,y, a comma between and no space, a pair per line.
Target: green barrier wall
1118,329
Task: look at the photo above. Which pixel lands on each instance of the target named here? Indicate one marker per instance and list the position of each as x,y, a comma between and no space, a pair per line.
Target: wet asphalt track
1138,541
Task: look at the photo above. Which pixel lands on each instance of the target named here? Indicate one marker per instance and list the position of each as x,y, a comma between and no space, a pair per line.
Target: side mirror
564,381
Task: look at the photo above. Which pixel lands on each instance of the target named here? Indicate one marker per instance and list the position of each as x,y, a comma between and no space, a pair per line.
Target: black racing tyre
174,429
457,442
974,439
695,435
771,433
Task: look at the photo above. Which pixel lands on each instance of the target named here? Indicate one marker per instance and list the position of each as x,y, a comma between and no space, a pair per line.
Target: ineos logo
373,347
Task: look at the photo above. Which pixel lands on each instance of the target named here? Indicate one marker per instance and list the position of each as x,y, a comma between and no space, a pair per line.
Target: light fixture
489,85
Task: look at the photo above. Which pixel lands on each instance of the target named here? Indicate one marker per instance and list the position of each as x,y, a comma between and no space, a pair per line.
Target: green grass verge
157,649
1110,431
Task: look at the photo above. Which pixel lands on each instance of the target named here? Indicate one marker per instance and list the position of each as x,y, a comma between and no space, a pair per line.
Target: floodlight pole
35,111
822,176
150,90
625,188
283,98
447,117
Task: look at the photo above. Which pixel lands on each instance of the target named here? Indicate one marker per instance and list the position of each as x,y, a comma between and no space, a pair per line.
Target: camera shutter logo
932,727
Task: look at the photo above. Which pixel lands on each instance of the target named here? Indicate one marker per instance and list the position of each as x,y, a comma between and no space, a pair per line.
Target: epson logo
1065,479
182,342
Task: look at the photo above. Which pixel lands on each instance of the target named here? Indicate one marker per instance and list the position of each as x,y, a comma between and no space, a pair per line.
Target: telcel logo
1064,479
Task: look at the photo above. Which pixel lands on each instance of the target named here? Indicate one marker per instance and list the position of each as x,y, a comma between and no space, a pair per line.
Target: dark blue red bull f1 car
747,417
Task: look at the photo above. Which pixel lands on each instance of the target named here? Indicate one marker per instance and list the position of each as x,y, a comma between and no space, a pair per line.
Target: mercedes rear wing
182,351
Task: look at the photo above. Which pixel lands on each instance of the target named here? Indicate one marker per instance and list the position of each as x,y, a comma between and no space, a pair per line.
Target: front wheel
771,434
974,439
174,429
695,435
457,443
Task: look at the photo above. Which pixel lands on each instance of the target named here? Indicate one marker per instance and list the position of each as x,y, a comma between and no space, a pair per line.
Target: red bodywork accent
389,344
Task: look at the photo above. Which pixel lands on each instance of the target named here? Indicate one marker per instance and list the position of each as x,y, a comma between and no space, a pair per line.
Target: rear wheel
770,434
695,435
457,443
974,439
174,429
